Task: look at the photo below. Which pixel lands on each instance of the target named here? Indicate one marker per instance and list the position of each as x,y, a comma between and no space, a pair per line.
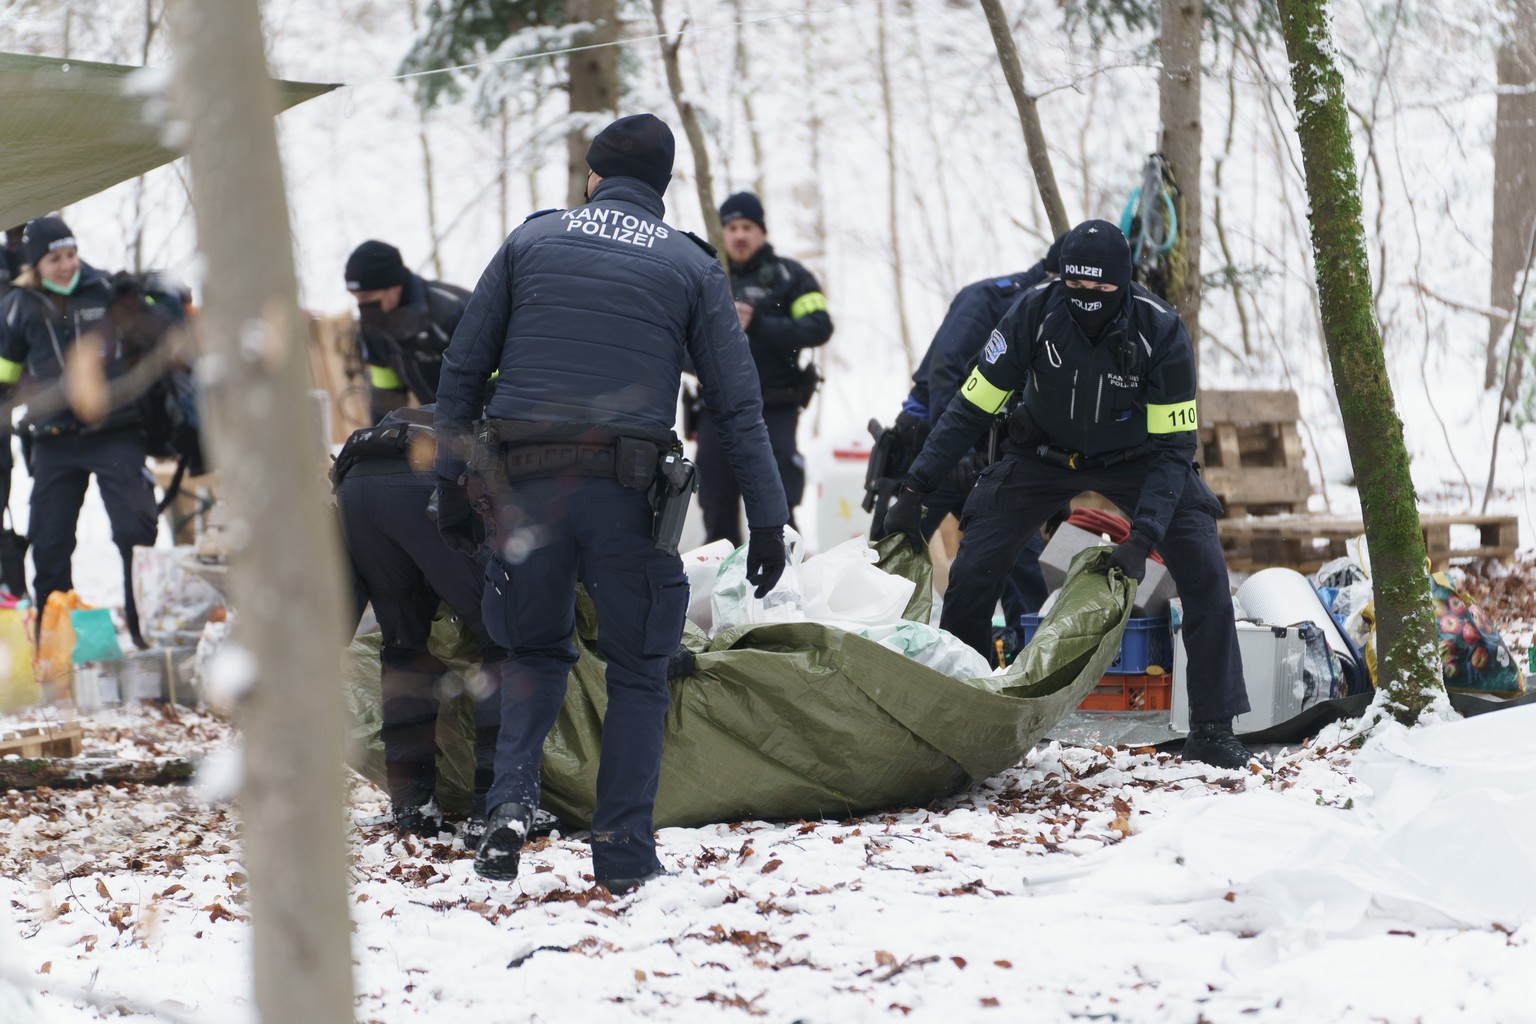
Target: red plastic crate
1130,693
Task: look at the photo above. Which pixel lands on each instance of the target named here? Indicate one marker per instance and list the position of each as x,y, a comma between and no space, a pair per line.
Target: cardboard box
1152,594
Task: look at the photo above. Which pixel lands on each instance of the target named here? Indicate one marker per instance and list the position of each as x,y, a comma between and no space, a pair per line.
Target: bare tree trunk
703,179
505,161
744,81
151,24
531,172
814,124
594,86
431,194
1029,117
426,170
1514,172
287,571
1179,104
1405,625
1221,234
893,208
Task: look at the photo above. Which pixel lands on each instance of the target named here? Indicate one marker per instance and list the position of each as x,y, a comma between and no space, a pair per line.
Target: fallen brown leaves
736,1002
973,888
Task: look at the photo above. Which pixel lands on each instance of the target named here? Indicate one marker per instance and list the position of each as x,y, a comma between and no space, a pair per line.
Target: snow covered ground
1389,883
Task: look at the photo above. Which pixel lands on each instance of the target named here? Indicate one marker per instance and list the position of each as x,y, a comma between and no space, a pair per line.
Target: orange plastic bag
56,648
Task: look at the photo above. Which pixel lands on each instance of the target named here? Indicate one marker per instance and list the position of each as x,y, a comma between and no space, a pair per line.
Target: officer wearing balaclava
404,324
1106,376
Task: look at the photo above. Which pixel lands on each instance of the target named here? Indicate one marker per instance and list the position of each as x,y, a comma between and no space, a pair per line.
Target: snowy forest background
794,96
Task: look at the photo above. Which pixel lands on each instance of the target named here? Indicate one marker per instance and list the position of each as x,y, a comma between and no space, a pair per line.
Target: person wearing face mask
1106,376
404,324
57,306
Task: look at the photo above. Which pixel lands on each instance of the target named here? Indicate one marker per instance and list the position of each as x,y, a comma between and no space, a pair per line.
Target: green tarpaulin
71,128
800,720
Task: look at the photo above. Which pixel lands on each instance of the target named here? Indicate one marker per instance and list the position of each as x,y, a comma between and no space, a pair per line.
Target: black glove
765,559
457,521
905,516
1131,557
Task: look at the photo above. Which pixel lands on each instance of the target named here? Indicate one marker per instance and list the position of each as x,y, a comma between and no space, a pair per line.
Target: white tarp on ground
1445,838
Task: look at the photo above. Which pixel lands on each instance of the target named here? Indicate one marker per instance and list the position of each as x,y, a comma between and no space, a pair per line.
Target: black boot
474,825
1214,744
625,886
505,831
424,819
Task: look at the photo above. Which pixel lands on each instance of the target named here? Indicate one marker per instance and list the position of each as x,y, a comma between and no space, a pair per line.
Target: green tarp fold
800,720
71,128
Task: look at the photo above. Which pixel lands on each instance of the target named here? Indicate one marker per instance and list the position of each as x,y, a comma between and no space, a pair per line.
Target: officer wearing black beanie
587,317
782,309
639,146
404,324
1107,379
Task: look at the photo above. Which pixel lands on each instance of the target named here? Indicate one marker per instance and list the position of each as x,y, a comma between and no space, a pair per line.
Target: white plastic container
837,489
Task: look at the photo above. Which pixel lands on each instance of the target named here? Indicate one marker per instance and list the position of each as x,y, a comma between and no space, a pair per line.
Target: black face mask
1093,310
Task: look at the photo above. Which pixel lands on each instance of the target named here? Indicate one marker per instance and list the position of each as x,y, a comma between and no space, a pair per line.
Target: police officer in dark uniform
782,309
404,324
384,482
13,546
588,316
1108,381
955,349
57,303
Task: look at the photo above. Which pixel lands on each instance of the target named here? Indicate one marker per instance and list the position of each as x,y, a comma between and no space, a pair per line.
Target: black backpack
147,307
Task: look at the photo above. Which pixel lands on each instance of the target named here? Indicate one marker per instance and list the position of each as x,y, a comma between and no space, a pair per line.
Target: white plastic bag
703,566
732,602
931,646
173,604
843,587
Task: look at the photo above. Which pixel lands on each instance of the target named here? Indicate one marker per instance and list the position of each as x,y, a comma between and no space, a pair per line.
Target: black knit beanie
44,235
743,204
374,266
638,146
1096,250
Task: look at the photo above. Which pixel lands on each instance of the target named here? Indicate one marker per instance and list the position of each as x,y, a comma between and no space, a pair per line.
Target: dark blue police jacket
976,309
588,315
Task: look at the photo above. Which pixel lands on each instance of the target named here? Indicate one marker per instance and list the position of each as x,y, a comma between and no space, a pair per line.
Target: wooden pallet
1251,451
38,741
1304,543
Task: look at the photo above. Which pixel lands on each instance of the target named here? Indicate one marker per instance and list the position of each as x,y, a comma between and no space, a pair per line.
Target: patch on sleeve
540,213
996,346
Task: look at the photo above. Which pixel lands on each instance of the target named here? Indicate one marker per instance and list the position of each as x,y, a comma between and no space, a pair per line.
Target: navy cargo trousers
1019,492
407,571
549,532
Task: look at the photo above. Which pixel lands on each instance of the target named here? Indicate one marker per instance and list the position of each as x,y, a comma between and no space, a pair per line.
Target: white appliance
1273,659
